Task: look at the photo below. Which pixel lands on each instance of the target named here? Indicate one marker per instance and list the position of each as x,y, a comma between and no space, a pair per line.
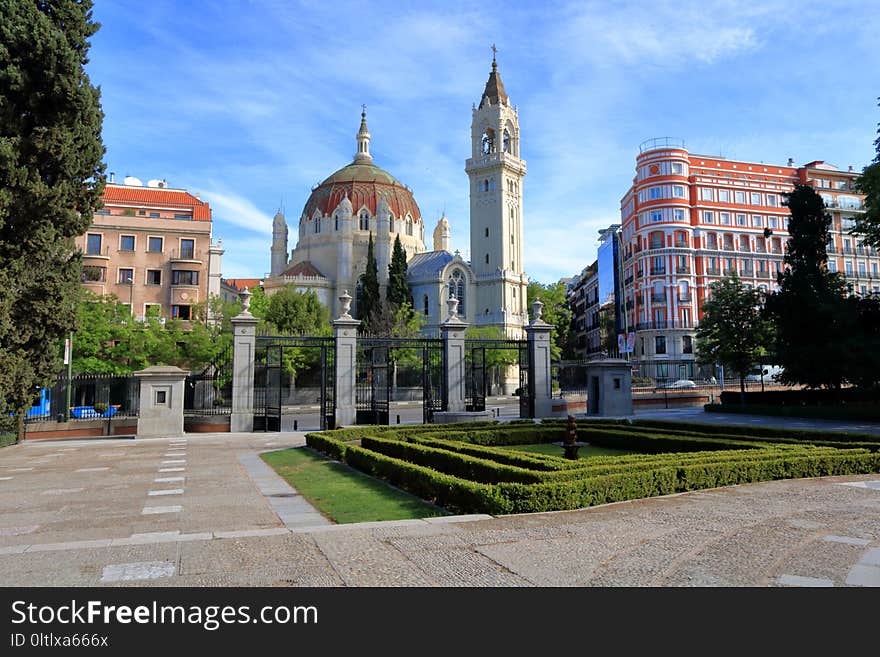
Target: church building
362,199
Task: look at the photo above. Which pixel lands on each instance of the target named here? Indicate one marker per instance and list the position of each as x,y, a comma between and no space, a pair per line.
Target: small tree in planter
100,408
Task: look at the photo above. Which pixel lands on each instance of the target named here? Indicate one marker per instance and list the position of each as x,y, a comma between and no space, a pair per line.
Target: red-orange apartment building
689,220
150,245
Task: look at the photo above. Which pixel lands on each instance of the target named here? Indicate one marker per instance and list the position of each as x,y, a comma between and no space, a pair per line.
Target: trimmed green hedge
800,435
470,476
838,412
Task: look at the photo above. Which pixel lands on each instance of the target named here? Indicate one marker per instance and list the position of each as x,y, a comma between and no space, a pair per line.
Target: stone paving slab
782,533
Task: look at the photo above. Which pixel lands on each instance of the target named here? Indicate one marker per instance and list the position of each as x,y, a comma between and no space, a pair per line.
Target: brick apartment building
689,220
150,245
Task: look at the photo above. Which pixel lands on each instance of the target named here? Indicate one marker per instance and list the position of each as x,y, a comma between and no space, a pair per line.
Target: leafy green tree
370,299
868,224
259,302
555,312
51,179
291,311
733,331
813,319
398,293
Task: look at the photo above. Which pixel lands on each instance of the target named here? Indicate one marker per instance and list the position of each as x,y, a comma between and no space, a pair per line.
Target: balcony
658,298
682,244
713,271
627,280
860,250
682,269
658,271
729,272
847,250
760,249
727,247
712,246
659,143
776,250
670,324
186,255
656,245
831,249
744,248
97,254
748,273
684,297
763,274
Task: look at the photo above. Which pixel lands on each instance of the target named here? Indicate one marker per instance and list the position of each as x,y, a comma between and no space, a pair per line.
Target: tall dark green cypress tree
398,289
51,178
370,299
814,319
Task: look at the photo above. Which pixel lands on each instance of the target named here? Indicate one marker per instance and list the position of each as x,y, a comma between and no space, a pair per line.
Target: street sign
626,342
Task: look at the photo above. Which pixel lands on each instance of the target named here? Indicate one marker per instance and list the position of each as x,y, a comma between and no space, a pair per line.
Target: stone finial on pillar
452,306
537,312
245,297
345,303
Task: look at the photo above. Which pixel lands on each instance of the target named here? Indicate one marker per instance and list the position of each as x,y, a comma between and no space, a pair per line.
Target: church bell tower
496,172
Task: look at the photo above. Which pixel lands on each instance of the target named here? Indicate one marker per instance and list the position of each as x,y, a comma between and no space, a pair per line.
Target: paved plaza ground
205,511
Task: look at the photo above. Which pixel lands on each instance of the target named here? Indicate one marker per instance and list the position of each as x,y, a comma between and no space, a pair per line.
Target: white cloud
230,209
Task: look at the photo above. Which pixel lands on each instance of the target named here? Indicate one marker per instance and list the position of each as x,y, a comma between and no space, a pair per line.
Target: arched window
506,142
457,289
488,142
409,226
485,185
425,304
317,225
364,220
336,221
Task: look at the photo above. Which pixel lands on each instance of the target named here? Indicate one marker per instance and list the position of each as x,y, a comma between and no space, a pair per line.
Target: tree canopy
868,183
291,311
555,312
813,319
51,179
398,292
370,299
733,330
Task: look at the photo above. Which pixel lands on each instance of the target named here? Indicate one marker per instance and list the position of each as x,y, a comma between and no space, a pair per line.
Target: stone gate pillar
244,332
345,332
538,336
161,402
452,331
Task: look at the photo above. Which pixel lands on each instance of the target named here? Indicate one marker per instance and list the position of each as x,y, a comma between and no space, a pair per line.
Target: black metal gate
485,357
278,357
209,392
387,366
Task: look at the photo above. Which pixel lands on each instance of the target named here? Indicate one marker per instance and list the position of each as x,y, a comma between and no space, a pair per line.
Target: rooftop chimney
850,168
112,176
790,162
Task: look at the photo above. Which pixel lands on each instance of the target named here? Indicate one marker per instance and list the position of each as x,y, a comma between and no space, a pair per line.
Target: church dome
364,184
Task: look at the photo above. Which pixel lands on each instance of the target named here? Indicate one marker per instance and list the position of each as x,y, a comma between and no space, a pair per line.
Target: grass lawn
555,450
342,494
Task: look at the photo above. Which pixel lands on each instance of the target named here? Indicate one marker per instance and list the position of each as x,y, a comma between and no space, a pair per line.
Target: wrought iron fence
92,396
209,392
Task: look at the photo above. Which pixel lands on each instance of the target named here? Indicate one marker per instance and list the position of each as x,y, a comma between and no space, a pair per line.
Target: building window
771,222
771,200
181,312
686,320
317,225
92,274
756,198
706,194
335,222
656,216
364,220
663,370
184,277
487,258
187,248
756,221
93,244
154,244
152,310
739,197
154,277
154,215
725,218
409,226
660,344
740,220
708,217
678,191
456,289
505,141
723,196
677,168
126,276
687,344
655,193
849,268
126,243
678,214
426,306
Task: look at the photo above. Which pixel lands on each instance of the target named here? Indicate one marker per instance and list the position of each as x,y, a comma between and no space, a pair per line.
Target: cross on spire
364,108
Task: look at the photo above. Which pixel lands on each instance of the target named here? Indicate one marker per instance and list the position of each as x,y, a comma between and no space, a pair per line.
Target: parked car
681,384
771,373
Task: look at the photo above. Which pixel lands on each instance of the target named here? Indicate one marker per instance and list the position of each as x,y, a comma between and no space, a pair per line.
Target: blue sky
251,103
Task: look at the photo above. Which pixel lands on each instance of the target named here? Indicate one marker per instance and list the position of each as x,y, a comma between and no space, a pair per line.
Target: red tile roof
149,196
304,268
241,283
